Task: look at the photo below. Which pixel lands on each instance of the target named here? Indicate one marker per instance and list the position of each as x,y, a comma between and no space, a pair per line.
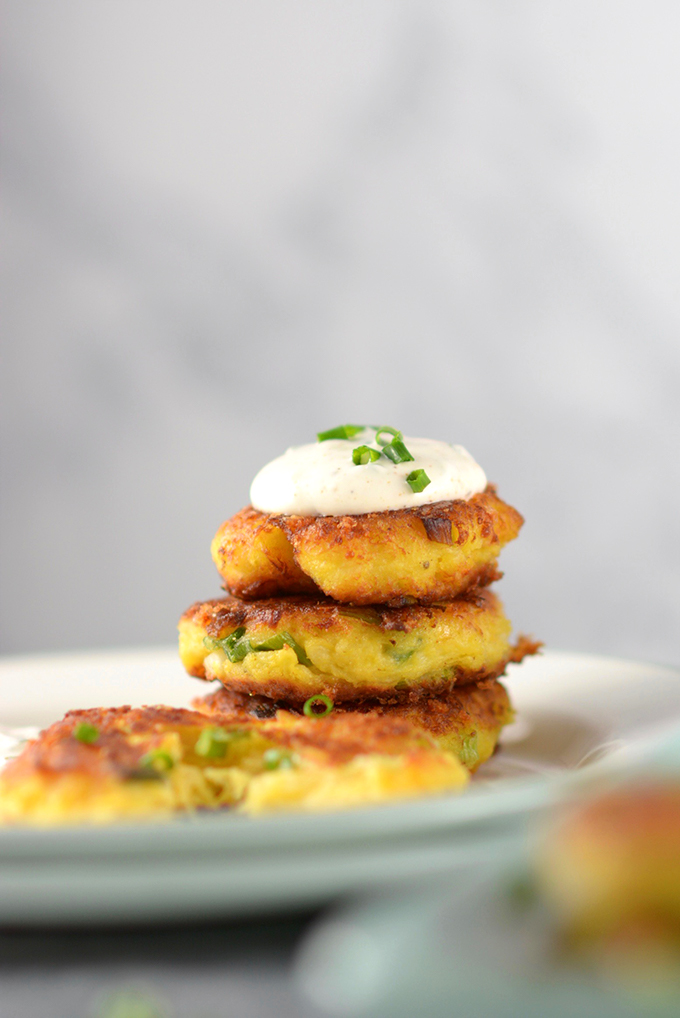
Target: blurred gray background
231,224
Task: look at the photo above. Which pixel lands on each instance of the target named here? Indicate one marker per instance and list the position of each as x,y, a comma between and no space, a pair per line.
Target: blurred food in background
610,872
583,921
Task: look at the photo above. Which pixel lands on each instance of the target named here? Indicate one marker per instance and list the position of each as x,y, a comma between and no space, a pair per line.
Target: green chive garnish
157,760
310,704
386,431
418,480
343,431
277,760
397,451
214,742
85,732
393,447
364,454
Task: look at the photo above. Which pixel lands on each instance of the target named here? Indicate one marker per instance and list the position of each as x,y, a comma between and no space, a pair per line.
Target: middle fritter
295,647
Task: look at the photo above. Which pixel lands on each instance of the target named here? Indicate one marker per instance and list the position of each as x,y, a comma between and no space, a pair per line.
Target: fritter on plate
290,648
429,553
465,721
98,766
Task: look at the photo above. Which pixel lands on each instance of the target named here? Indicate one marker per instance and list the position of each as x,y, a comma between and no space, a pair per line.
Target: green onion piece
368,615
386,431
294,645
469,753
364,454
85,732
278,641
275,642
418,480
320,698
234,646
397,452
157,760
343,431
277,760
214,742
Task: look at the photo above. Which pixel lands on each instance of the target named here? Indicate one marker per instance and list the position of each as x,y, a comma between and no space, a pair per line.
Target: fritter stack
386,617
358,658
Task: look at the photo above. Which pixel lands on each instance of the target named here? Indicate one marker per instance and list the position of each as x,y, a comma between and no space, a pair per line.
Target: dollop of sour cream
320,479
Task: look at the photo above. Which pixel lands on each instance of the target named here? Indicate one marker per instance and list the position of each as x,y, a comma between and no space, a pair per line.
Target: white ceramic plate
573,710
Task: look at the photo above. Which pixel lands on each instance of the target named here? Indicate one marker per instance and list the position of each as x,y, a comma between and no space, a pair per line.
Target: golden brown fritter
610,867
290,648
429,553
98,766
466,721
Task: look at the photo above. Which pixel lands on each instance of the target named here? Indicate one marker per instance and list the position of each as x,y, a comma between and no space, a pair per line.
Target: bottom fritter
103,765
465,721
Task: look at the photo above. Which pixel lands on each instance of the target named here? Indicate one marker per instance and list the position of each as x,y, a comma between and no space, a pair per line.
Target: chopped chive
397,451
278,641
320,698
234,646
386,431
343,431
275,642
158,760
277,760
294,645
214,742
402,656
418,480
469,754
85,732
368,615
237,647
364,454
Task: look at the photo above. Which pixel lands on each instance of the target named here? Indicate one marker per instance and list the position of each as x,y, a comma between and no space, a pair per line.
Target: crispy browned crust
449,522
57,750
333,740
524,646
484,520
224,614
277,572
352,696
487,704
338,738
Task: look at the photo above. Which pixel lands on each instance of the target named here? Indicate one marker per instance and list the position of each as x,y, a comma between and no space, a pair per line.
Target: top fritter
366,516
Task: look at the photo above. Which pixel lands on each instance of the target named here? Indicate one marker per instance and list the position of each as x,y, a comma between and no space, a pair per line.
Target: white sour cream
320,479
